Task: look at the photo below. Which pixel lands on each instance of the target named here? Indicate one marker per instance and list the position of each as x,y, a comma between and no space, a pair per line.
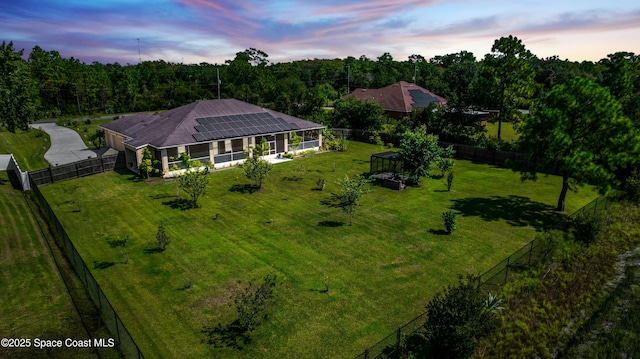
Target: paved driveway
66,145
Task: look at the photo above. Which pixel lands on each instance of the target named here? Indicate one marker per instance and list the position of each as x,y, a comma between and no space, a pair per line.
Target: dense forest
46,85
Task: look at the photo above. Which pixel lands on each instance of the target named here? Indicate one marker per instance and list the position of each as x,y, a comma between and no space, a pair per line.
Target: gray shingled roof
184,125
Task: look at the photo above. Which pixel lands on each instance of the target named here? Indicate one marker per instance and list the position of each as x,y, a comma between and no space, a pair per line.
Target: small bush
162,237
587,227
449,181
449,221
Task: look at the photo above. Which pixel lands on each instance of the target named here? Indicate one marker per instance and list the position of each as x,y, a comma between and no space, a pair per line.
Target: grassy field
507,133
380,272
34,302
28,147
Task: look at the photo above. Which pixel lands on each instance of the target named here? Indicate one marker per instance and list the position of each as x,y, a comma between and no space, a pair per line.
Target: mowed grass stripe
34,301
381,271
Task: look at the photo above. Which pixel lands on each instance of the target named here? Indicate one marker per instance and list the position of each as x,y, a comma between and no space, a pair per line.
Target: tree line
46,85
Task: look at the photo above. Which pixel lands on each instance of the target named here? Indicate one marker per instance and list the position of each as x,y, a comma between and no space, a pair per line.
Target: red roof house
399,99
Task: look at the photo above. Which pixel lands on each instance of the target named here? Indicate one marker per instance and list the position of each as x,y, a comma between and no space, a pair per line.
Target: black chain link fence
490,281
111,319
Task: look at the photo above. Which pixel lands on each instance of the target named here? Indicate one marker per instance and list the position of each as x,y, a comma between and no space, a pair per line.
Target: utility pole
348,79
218,72
415,71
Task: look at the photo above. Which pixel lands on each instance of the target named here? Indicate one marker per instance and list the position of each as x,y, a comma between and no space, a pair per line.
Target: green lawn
507,132
380,272
28,147
34,302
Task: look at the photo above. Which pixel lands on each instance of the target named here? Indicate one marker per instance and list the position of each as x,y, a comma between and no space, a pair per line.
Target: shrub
449,181
250,302
456,318
587,227
449,221
162,237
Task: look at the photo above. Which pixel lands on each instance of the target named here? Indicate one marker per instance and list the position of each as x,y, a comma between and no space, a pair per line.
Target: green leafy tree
250,303
355,113
581,129
257,169
148,164
511,75
456,318
194,182
18,91
295,141
418,152
351,191
445,160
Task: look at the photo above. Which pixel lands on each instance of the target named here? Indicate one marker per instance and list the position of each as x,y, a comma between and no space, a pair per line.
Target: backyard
340,288
35,302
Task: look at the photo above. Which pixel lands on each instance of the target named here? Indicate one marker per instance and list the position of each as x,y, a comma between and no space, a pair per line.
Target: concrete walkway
66,145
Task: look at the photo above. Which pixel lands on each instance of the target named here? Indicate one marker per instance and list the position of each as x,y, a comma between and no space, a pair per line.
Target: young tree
419,151
162,237
194,183
251,301
257,169
446,161
351,191
147,166
295,141
581,129
121,245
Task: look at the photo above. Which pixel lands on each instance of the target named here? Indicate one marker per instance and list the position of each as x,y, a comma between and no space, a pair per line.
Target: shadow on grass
331,224
161,196
516,210
179,203
439,232
292,178
153,250
231,336
243,188
332,202
102,264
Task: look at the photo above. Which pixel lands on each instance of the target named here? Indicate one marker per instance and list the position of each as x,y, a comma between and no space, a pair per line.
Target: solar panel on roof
199,137
421,99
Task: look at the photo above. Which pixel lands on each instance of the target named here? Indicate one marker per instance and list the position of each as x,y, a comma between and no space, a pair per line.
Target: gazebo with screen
387,167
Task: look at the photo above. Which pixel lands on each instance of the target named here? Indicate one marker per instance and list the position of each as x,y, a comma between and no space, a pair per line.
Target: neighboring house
399,99
220,131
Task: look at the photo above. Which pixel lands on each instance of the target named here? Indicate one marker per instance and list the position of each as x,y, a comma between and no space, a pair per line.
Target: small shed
387,167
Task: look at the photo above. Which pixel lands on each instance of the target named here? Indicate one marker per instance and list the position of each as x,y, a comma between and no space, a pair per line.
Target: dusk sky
194,31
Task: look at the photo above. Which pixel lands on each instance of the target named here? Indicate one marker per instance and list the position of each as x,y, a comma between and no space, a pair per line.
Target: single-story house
399,99
220,131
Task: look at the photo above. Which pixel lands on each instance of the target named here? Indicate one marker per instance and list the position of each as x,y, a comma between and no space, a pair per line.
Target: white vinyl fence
8,163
